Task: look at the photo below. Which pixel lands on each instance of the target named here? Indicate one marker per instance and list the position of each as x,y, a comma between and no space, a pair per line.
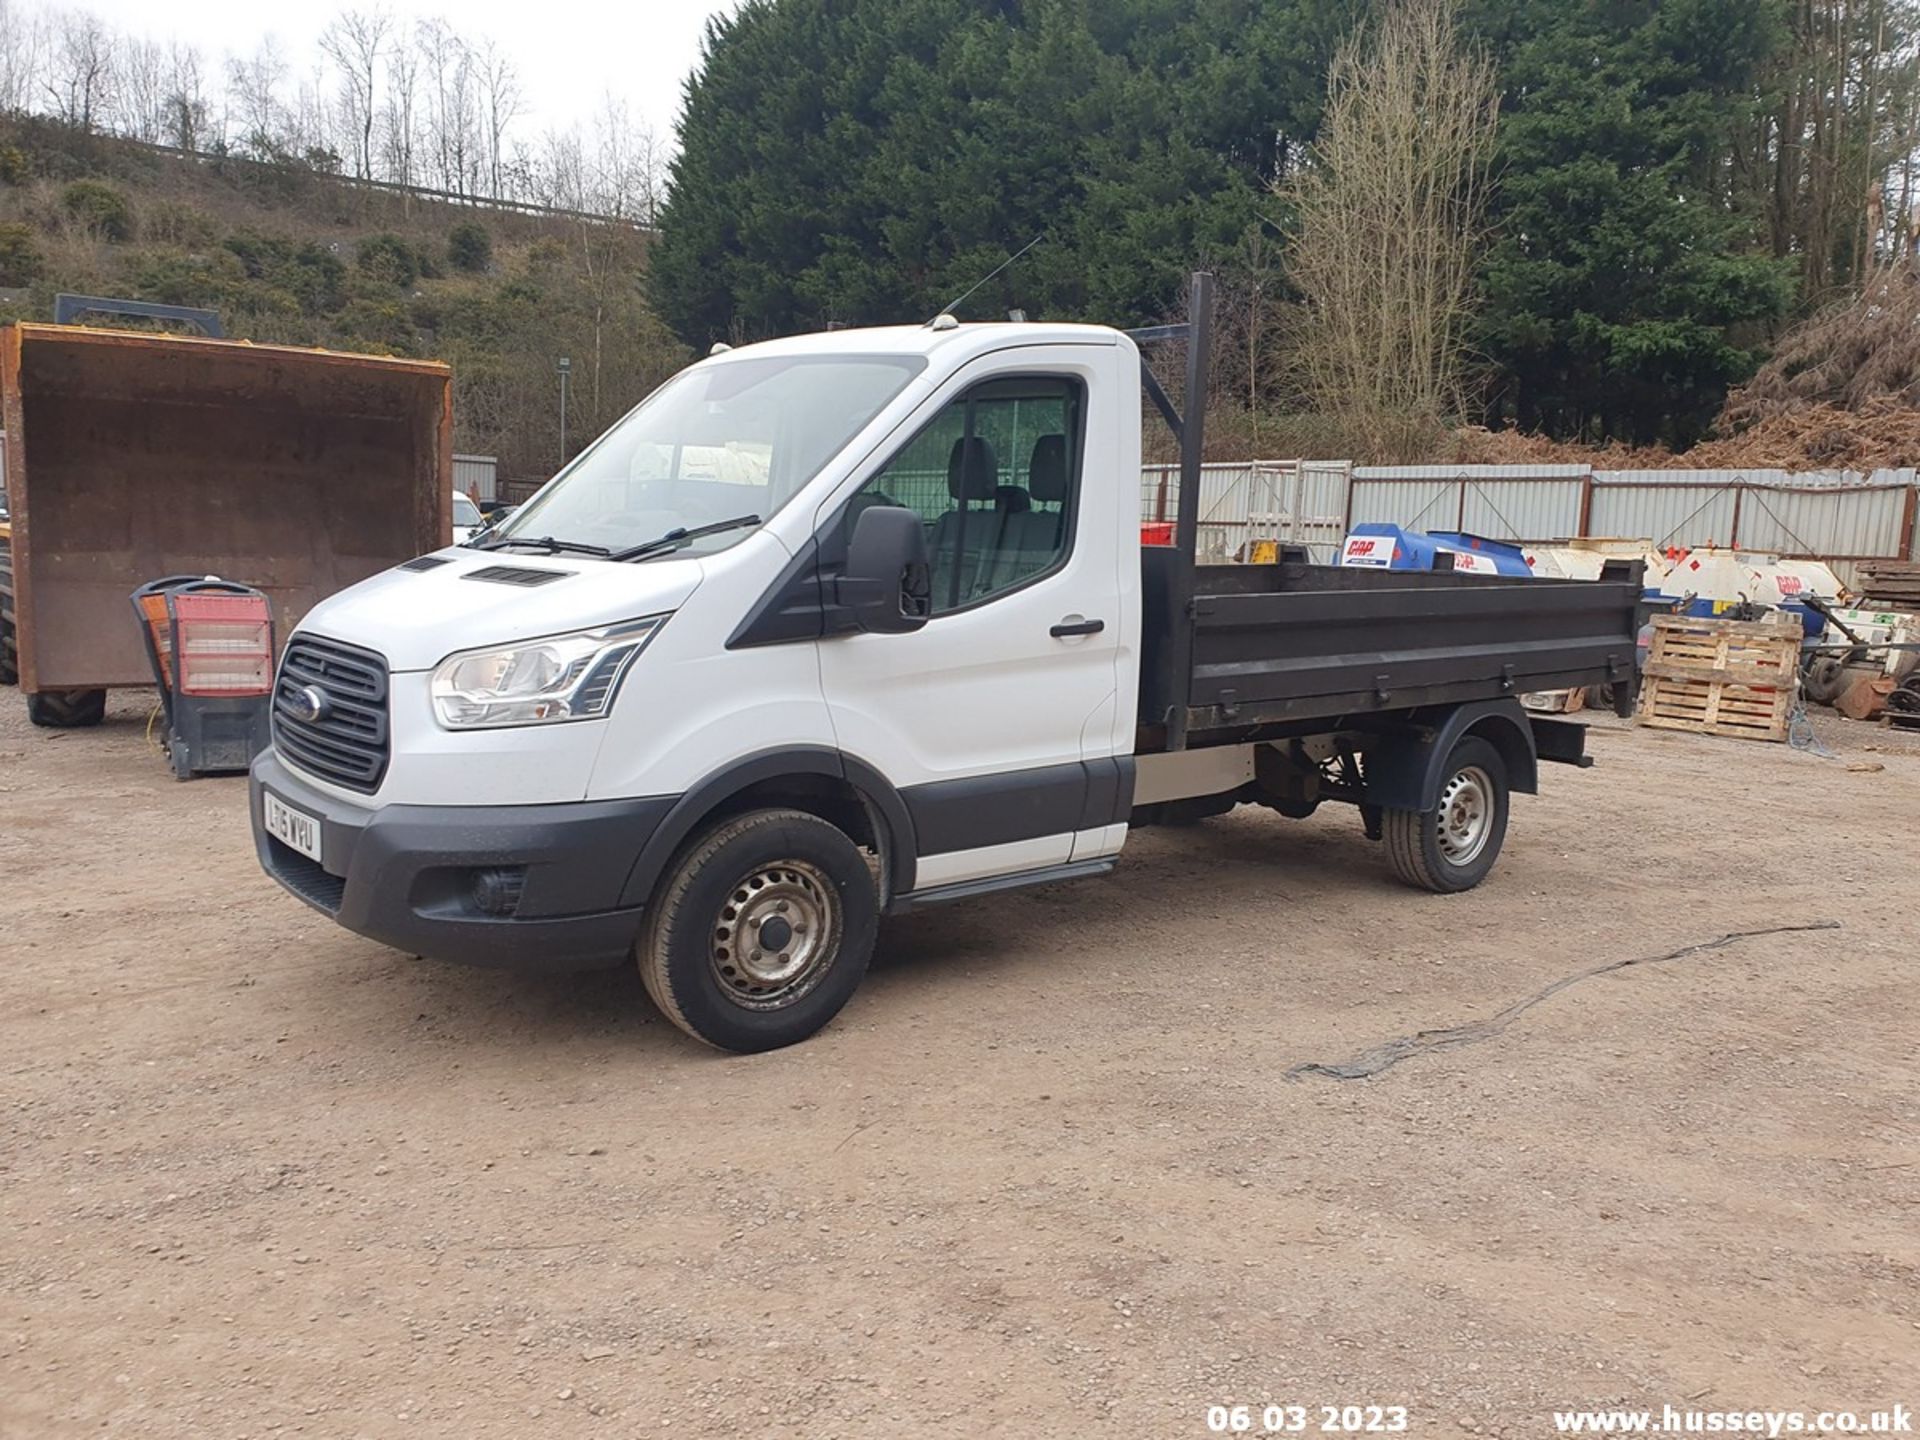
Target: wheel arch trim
1407,772
704,799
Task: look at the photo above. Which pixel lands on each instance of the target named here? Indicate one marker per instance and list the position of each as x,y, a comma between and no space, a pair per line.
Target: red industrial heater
210,642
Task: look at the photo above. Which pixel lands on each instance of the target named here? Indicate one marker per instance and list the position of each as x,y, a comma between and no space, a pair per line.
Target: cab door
981,718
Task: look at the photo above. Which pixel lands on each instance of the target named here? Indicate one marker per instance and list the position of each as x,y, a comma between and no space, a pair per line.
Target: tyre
760,931
67,709
9,641
1824,680
1451,847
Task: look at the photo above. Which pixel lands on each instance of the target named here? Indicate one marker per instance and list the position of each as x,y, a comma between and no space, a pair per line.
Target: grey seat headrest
973,470
1047,478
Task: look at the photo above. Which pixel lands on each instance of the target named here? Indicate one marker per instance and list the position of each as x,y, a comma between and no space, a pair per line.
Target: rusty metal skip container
134,455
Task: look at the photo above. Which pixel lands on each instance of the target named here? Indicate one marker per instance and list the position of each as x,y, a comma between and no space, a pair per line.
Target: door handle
1077,627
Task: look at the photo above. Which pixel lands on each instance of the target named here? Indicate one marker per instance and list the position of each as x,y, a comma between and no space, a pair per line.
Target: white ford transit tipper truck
841,625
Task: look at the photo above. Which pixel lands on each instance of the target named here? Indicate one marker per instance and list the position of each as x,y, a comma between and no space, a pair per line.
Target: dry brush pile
1842,389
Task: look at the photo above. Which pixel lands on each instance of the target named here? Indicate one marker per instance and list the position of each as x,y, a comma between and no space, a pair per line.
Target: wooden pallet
1721,677
1894,584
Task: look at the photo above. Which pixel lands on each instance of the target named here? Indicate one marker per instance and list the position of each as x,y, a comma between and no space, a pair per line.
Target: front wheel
761,931
1451,847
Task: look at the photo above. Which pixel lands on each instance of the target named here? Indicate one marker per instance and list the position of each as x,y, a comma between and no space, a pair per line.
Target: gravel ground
1046,1176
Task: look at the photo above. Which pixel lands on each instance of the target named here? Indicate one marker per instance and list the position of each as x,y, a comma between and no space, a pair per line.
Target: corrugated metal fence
1499,502
478,476
1840,516
1300,501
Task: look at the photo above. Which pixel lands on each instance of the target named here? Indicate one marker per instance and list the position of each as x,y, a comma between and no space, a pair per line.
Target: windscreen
718,442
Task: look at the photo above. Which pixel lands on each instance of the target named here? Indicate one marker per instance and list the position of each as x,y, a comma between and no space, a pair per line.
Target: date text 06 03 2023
1306,1419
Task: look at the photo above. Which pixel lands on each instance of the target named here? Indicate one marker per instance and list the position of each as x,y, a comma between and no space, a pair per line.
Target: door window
993,477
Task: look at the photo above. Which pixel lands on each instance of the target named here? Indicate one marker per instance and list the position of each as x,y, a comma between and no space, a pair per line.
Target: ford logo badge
309,704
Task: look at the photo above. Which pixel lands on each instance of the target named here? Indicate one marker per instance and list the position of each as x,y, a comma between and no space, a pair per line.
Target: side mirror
885,588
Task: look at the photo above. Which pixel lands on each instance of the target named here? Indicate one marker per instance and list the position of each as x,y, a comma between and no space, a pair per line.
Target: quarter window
993,477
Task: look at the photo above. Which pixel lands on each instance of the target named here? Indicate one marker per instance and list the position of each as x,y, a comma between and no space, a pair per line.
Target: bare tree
561,171
253,93
79,77
140,109
452,105
23,53
1245,371
185,99
651,155
1388,215
1829,158
501,101
520,172
310,123
401,118
355,42
626,174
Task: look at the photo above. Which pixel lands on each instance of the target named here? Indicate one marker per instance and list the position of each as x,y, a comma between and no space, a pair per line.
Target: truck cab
827,627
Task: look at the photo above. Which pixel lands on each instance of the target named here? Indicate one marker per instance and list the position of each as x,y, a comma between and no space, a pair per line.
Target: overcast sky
568,53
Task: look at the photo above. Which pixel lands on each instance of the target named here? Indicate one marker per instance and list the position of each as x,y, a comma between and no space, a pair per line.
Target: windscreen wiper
674,539
547,543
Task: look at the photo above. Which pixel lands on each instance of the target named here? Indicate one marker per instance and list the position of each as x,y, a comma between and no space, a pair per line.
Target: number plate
289,826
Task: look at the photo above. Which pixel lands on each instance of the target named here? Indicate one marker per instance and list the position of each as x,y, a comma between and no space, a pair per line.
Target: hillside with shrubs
289,253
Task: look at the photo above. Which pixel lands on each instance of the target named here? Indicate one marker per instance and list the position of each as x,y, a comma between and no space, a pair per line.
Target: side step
992,884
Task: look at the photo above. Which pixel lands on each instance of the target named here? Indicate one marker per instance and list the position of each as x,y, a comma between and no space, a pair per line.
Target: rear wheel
67,709
761,931
1452,846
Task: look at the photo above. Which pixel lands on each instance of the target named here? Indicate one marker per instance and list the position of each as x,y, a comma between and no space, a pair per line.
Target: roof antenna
946,311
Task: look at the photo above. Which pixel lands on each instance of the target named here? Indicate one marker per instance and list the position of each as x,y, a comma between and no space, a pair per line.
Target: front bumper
405,874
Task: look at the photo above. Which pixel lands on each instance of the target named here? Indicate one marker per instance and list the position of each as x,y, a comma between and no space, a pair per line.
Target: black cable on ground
1383,1057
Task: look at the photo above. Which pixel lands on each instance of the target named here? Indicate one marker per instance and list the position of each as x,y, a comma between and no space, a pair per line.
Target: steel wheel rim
776,935
1465,818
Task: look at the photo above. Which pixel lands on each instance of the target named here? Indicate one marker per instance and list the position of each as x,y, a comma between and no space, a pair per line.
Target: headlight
538,682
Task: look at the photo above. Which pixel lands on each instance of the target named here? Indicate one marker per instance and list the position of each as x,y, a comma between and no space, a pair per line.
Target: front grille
305,877
347,744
